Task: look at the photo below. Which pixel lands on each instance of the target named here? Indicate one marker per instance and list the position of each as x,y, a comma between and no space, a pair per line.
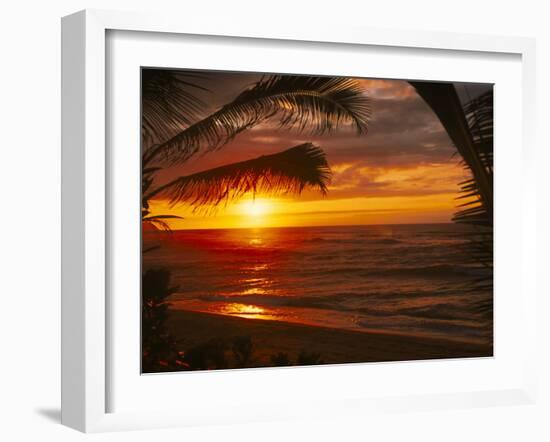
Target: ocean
408,279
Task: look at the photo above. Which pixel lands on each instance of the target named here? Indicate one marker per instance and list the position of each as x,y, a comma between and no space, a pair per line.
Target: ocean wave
453,319
438,312
429,271
342,301
400,277
436,270
361,240
435,328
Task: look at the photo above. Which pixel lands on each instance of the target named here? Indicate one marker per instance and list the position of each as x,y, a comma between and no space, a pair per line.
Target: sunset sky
403,171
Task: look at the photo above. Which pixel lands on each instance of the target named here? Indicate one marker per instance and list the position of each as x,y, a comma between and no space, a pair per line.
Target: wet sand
333,345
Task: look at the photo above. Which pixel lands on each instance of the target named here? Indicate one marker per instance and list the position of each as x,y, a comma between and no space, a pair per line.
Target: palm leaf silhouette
168,102
444,101
479,114
158,221
471,130
319,104
286,172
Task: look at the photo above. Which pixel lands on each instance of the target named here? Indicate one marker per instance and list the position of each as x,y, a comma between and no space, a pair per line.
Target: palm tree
172,134
470,128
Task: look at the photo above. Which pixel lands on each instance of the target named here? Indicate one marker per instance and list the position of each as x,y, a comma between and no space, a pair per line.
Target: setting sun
256,208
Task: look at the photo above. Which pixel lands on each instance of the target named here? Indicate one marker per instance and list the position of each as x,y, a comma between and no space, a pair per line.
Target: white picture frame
86,217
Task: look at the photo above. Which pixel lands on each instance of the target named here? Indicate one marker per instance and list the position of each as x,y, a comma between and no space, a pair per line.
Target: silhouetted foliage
159,347
309,358
280,359
242,350
287,172
480,117
470,128
207,356
320,104
168,102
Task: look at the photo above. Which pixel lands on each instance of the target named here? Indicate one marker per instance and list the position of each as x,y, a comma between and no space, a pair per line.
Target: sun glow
266,212
257,208
245,311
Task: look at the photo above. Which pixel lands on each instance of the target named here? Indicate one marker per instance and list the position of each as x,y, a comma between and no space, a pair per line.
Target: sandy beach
333,345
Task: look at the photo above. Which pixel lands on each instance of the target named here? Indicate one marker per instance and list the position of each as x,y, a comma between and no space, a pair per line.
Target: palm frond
147,179
287,172
319,104
471,130
479,116
158,221
464,134
168,102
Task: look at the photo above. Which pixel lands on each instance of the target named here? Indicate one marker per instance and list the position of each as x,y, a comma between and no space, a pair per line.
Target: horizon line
298,227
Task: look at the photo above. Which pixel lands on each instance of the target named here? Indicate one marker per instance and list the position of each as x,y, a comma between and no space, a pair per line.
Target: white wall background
30,218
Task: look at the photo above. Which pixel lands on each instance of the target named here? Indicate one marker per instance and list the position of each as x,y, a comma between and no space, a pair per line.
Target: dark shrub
159,347
309,358
207,356
280,359
242,350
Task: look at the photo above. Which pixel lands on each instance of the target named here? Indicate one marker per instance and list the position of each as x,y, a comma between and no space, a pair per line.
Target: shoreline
334,346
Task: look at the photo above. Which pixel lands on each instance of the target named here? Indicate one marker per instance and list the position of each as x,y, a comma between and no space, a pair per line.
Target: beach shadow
51,414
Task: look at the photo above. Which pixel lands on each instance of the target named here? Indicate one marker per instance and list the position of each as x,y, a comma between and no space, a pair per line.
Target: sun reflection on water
255,281
258,267
245,311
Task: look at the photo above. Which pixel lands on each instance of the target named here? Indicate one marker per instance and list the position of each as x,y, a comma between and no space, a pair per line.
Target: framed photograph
274,223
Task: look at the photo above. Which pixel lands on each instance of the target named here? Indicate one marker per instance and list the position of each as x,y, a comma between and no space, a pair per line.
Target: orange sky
402,171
